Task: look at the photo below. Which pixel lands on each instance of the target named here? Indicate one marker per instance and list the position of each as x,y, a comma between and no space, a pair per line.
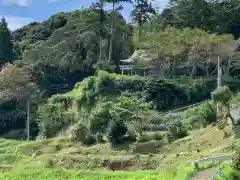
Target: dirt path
205,174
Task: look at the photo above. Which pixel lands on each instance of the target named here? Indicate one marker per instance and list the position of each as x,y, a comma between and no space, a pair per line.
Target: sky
22,12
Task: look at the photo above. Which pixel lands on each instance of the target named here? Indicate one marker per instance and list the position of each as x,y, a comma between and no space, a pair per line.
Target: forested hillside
60,77
68,45
49,57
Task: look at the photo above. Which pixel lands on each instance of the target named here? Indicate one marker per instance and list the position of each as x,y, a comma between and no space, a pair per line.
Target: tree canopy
6,46
185,39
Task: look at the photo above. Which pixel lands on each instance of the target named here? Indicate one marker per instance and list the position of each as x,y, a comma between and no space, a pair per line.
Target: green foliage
199,116
15,89
121,108
64,49
89,139
215,16
116,131
236,160
176,130
146,137
12,119
104,97
236,156
228,172
222,95
60,174
99,138
185,57
146,147
79,133
6,46
49,163
157,136
141,13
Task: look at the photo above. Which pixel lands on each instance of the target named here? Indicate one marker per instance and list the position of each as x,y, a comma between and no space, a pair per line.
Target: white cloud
15,22
17,2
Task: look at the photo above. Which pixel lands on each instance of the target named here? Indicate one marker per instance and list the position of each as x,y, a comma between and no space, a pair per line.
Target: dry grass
63,153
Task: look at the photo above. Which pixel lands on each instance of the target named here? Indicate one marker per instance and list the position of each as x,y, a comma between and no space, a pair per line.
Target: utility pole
219,70
28,120
219,83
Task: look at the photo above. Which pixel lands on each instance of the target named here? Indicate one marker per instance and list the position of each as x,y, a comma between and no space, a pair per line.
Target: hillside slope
105,97
60,152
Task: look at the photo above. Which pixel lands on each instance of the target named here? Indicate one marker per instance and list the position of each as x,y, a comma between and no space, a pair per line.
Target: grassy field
60,174
57,158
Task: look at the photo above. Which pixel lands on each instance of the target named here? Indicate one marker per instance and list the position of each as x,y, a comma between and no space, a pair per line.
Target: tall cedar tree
6,45
114,9
98,7
141,13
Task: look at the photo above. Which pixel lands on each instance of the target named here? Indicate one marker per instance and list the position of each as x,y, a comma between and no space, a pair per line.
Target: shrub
49,163
122,108
78,133
199,116
146,147
89,139
150,136
236,160
236,156
222,95
176,131
157,136
144,138
171,118
99,138
130,138
106,96
116,131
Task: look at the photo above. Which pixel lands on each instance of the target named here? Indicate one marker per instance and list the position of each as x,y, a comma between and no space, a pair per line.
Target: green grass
202,143
57,158
228,173
62,174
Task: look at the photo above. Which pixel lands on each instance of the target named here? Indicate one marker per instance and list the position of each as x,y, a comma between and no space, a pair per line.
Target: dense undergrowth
105,97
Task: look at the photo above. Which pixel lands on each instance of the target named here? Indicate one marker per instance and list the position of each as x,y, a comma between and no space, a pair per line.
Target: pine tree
6,45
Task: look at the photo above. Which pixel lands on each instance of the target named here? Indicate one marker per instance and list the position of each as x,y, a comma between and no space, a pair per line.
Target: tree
190,49
141,13
222,97
164,46
15,83
101,28
99,7
114,9
16,91
6,46
116,131
215,16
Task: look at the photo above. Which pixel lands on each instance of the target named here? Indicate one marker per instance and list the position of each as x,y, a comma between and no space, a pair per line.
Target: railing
215,158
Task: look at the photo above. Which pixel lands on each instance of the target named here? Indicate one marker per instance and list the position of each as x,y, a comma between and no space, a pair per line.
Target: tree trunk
140,26
225,73
229,115
193,71
112,33
101,30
